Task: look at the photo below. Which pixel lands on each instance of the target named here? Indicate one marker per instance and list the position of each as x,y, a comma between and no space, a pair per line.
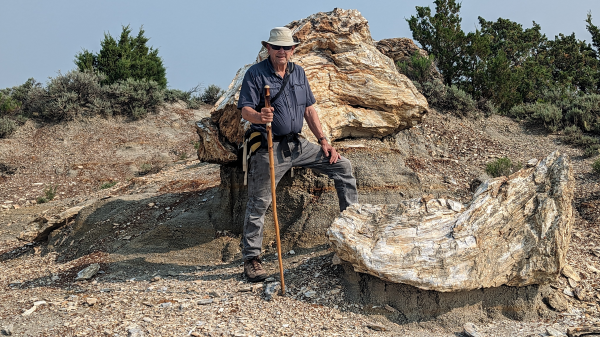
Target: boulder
514,232
358,90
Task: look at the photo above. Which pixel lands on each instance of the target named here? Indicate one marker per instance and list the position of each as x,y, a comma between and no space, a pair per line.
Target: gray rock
88,272
271,290
554,333
135,332
471,330
310,293
165,305
532,162
270,279
557,302
205,301
7,330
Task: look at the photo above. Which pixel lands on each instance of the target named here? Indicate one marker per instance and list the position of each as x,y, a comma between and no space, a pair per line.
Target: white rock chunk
515,232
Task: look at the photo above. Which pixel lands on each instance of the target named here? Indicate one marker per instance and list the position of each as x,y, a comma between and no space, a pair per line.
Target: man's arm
263,117
314,124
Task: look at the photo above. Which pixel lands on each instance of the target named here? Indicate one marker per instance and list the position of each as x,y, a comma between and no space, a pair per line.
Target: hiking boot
254,271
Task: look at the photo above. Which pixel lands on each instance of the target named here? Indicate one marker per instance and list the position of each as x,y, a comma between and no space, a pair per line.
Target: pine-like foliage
129,57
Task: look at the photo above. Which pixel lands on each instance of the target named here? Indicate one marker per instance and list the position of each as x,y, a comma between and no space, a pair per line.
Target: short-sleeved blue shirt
289,106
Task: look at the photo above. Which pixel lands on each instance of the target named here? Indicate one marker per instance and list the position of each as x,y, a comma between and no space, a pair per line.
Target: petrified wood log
514,232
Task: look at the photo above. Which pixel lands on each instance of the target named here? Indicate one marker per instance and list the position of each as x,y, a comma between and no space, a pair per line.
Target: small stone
271,290
450,180
29,311
532,162
376,327
389,308
165,305
337,316
471,330
184,305
172,273
269,279
335,291
557,302
147,319
148,304
568,292
214,294
54,278
593,269
88,272
7,330
205,301
569,272
91,301
335,260
151,204
38,303
579,293
554,333
572,283
292,252
155,279
256,287
245,289
135,332
310,293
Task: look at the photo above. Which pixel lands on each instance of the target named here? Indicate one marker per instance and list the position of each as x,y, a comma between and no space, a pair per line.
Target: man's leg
312,156
259,198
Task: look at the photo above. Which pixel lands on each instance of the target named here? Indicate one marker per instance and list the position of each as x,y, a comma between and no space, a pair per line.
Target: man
288,111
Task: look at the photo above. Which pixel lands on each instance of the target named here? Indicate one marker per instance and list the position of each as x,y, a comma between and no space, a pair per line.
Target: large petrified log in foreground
515,232
358,90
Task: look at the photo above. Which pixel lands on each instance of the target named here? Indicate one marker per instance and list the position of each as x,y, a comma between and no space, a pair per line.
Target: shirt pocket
300,93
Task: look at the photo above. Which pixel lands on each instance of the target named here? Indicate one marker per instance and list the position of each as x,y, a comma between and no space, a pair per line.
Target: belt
284,140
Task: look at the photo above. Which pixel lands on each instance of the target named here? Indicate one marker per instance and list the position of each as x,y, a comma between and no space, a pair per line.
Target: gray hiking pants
305,154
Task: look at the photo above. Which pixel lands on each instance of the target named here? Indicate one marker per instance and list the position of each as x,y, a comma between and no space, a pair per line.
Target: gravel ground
213,299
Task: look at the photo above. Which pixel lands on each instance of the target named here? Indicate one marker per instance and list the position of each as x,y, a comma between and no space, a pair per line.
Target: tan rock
514,232
42,226
570,273
358,90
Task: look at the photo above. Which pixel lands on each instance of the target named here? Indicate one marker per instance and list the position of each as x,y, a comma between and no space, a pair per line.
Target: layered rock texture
358,90
514,232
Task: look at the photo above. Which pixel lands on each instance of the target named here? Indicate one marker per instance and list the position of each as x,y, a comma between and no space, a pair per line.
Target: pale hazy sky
206,42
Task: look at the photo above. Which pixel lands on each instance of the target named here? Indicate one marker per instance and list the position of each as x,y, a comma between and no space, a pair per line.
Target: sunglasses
279,47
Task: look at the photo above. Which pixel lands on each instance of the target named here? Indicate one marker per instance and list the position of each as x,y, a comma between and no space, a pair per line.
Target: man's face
281,56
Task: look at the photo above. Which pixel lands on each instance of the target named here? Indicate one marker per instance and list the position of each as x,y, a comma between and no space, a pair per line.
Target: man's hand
266,115
330,152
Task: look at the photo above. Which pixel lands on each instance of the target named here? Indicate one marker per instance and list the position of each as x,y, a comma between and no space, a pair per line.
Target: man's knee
345,167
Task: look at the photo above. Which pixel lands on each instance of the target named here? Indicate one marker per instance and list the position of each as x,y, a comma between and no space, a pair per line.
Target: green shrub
418,67
135,98
211,94
596,166
8,105
574,136
66,96
547,113
7,127
49,194
129,57
591,151
145,169
107,184
487,107
502,167
174,95
459,101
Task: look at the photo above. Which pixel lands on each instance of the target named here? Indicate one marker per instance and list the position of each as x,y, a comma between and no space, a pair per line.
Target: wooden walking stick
272,167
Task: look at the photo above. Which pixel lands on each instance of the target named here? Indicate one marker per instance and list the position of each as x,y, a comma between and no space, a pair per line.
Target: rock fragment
88,272
570,273
205,301
29,311
7,330
554,333
271,290
471,330
557,302
583,331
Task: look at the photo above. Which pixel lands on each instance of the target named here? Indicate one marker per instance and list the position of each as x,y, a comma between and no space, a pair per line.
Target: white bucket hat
280,36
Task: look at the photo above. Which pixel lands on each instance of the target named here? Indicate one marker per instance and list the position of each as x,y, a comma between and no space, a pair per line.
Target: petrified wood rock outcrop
358,90
515,232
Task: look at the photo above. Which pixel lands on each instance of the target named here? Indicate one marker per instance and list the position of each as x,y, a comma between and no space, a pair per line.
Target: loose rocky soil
164,271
